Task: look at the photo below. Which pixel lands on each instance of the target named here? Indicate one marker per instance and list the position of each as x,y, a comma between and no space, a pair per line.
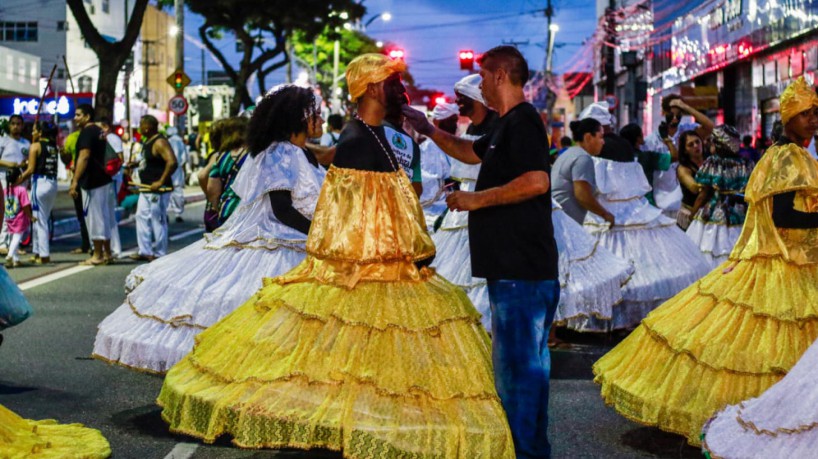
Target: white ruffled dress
782,422
665,260
435,169
591,277
453,255
180,295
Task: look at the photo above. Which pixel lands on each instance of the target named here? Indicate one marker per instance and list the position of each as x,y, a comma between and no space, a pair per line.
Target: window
62,26
106,6
60,74
85,84
18,31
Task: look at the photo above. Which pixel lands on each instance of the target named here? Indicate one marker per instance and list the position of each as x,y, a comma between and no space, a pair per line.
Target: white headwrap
470,87
598,111
443,111
171,131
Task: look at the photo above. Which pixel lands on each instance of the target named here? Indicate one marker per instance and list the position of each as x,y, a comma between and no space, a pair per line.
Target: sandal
92,262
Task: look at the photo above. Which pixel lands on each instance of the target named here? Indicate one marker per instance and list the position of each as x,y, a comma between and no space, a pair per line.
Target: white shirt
115,142
12,150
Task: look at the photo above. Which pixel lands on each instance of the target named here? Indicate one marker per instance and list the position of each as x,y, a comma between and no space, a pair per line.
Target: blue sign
64,105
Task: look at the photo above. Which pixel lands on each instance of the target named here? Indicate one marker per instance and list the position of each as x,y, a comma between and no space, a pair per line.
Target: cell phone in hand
663,130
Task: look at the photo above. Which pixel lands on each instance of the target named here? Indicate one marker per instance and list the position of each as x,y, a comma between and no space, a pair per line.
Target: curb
72,225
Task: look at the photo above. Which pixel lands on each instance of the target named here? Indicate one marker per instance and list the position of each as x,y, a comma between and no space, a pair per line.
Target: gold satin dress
729,336
22,438
355,349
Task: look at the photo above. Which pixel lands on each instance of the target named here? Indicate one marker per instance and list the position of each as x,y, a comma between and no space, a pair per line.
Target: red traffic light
120,131
466,59
397,53
440,100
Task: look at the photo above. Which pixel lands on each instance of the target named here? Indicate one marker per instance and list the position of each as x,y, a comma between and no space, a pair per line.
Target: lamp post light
386,16
552,34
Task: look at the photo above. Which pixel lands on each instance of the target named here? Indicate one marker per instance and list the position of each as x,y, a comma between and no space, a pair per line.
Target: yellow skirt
386,369
722,340
23,438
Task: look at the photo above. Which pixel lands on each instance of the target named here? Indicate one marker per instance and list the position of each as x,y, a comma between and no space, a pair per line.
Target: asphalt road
46,372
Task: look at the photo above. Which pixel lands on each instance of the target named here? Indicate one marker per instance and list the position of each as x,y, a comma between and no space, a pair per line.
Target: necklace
388,154
385,151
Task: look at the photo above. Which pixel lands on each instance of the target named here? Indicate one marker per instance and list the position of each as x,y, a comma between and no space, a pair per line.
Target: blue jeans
521,316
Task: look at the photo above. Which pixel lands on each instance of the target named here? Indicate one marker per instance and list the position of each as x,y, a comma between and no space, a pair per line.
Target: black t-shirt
358,149
484,127
92,138
514,241
617,149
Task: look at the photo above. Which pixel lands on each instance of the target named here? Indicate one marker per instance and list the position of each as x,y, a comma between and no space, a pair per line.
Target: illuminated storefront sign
64,106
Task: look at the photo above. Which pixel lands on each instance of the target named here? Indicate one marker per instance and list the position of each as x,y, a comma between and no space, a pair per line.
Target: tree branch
87,28
231,72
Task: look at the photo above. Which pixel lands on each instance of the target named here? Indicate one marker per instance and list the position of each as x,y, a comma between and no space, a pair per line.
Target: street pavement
46,372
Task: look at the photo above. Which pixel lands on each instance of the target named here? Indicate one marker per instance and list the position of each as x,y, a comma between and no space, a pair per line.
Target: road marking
186,234
53,276
78,269
182,451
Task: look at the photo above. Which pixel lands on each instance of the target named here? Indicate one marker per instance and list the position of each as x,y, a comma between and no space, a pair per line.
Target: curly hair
280,114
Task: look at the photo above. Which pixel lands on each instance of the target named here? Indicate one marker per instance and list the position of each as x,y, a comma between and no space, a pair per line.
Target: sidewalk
65,218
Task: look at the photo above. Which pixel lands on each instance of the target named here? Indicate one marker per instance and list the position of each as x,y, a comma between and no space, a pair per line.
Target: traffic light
466,60
179,81
397,53
120,131
441,99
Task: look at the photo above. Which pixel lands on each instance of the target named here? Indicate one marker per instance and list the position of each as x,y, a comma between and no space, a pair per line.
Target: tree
113,54
262,28
319,53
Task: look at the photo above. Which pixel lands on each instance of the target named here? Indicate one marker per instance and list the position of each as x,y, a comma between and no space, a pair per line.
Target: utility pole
179,6
610,77
549,13
204,74
336,102
127,79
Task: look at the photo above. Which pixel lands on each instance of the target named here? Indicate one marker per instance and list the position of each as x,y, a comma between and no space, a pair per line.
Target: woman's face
592,143
315,127
35,134
693,146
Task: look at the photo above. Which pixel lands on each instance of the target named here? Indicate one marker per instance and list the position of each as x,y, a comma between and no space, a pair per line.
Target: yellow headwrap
370,68
798,96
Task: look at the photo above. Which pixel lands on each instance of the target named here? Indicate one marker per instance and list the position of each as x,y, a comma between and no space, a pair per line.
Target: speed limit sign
177,105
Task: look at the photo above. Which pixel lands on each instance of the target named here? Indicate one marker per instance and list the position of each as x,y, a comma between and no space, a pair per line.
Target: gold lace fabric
22,438
784,168
368,226
356,349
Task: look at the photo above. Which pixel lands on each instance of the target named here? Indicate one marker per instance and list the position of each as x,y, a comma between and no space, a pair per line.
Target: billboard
62,105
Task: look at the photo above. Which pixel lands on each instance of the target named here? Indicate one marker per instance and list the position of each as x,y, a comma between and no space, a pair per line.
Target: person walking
13,153
152,208
512,241
42,168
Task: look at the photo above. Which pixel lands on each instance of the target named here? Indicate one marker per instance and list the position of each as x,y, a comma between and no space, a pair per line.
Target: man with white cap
470,101
615,148
177,196
435,166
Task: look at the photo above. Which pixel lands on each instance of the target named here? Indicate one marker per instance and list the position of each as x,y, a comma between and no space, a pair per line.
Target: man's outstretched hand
418,121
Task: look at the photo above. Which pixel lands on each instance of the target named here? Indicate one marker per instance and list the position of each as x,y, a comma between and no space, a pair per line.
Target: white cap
443,111
470,87
598,111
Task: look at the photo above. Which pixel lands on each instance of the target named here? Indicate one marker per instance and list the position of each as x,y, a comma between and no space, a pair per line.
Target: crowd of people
390,287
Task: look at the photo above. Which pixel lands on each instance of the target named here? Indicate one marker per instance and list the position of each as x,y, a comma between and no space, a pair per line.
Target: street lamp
552,33
387,16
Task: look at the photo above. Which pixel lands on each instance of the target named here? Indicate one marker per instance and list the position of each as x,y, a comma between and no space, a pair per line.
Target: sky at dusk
433,31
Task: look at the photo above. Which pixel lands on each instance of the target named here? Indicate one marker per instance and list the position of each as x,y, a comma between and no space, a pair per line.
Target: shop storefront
749,50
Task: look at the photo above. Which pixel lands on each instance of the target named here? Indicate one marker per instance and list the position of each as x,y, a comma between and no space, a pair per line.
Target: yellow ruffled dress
22,438
727,337
355,349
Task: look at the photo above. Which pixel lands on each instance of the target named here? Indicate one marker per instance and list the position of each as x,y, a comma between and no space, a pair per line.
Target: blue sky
432,32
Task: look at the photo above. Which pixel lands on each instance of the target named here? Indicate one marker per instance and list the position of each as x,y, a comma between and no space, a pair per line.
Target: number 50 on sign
177,105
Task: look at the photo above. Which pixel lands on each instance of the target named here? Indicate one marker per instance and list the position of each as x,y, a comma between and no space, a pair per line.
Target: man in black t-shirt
512,241
90,176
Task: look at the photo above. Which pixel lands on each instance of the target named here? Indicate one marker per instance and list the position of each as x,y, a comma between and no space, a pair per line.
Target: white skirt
187,292
782,422
715,240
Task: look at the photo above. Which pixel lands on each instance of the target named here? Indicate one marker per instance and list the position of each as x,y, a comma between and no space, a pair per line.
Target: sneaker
4,251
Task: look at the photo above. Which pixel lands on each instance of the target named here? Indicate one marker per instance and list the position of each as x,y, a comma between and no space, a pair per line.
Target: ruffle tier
715,240
399,369
782,422
190,291
23,439
665,262
722,340
591,277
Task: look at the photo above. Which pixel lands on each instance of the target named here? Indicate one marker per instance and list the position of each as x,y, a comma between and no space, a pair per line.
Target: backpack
111,162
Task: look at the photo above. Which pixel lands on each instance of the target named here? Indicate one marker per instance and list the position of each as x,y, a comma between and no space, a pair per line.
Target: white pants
99,213
116,245
43,194
16,240
152,224
177,196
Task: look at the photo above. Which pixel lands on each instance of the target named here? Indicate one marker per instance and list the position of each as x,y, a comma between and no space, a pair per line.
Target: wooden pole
45,91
